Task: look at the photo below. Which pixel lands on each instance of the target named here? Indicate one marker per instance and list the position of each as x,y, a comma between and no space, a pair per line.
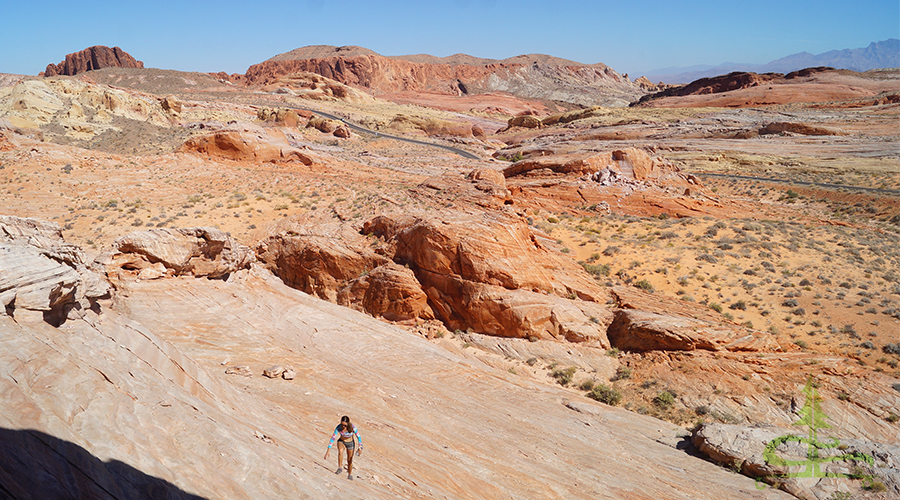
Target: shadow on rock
35,465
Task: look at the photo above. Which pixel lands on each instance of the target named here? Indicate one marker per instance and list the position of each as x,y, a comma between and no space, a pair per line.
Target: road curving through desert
461,152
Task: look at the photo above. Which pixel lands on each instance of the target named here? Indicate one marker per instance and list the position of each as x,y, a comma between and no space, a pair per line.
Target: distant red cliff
95,57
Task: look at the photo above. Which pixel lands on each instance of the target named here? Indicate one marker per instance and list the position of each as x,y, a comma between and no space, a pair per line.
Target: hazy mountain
884,54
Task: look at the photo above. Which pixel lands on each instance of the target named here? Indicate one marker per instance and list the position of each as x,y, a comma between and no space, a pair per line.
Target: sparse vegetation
605,394
564,375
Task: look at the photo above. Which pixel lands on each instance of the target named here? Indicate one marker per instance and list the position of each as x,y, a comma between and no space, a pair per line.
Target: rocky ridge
526,76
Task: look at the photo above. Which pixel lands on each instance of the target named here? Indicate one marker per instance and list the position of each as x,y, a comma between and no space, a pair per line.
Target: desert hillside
512,293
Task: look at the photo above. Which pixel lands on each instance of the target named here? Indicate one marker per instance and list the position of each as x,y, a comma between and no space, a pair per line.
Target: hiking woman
345,433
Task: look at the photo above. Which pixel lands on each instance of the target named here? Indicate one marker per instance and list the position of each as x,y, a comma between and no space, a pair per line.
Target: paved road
893,192
460,152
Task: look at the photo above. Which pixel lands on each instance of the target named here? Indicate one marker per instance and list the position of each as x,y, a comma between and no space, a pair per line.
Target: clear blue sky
630,36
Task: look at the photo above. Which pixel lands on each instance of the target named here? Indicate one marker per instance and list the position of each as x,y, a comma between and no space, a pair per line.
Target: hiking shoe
339,470
350,477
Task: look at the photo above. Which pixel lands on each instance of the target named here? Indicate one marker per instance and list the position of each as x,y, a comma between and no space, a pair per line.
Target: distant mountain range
885,54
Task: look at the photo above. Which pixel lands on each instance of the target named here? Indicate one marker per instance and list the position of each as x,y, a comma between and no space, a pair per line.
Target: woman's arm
358,438
334,436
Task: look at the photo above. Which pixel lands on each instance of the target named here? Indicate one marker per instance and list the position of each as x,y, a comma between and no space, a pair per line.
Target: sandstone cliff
96,57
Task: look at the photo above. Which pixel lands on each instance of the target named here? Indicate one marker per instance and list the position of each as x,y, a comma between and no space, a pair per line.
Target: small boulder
289,374
171,104
526,121
273,371
342,131
323,125
241,370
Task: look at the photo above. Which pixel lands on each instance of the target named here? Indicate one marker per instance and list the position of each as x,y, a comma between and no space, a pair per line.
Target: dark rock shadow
35,465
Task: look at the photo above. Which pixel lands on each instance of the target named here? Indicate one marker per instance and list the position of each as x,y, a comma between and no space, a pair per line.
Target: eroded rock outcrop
41,276
654,322
96,57
318,259
796,128
717,84
390,291
628,164
484,272
247,143
198,251
490,273
645,331
283,117
744,449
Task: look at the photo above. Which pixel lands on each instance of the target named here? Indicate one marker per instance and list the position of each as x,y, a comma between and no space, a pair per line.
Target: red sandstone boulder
654,322
91,58
493,249
342,132
489,273
319,260
246,145
390,291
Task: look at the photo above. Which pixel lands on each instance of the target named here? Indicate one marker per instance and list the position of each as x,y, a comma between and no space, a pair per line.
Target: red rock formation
633,164
523,75
95,57
750,89
718,84
390,291
488,273
245,145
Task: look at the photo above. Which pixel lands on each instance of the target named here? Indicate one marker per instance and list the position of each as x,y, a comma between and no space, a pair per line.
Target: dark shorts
350,445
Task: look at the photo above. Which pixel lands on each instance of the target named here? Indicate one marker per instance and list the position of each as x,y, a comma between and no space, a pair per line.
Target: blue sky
631,36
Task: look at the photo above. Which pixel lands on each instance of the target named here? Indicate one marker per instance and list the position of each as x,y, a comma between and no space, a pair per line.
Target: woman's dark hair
346,420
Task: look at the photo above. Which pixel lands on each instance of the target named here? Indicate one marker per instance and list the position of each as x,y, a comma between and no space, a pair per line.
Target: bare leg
340,453
350,463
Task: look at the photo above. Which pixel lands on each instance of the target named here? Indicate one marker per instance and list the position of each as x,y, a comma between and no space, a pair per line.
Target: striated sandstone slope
132,402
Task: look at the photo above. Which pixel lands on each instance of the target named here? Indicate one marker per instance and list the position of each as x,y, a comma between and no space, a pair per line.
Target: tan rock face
95,57
39,272
526,121
193,431
193,251
645,331
745,447
171,104
324,125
